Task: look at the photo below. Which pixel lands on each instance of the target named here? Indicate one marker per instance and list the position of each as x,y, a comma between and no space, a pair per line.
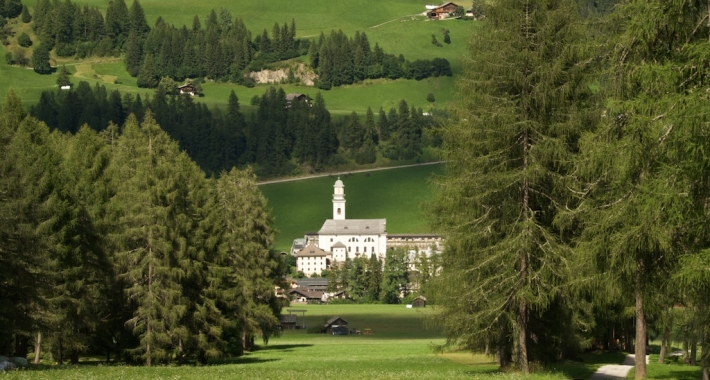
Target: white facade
312,260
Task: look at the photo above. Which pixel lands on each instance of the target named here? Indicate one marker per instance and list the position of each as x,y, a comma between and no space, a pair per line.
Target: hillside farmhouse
187,88
340,238
297,97
442,11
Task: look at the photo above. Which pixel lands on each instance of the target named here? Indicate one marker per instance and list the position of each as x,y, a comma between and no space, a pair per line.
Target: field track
345,172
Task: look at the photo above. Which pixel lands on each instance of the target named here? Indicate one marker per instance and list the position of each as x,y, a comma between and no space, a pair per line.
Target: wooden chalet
304,295
187,88
297,97
442,11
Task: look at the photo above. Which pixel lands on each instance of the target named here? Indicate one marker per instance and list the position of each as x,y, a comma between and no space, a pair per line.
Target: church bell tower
338,200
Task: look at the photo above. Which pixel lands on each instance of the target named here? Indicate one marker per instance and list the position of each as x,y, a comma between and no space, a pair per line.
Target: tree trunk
685,349
640,349
60,360
148,326
503,352
74,356
21,346
704,359
522,339
665,341
693,346
38,347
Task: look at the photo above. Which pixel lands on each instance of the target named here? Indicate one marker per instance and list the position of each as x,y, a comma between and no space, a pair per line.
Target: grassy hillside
395,194
393,25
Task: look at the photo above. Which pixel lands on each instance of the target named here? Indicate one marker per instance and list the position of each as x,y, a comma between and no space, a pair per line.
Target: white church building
340,238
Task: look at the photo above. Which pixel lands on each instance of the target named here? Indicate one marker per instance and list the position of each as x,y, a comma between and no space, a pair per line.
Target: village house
442,11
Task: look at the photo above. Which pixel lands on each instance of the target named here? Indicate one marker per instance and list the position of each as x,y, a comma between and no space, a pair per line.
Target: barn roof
333,320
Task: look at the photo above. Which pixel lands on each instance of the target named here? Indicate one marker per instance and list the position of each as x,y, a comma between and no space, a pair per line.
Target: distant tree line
368,280
115,242
222,50
341,60
277,138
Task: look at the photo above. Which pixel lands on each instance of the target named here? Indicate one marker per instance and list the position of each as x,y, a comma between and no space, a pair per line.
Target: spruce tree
520,116
147,76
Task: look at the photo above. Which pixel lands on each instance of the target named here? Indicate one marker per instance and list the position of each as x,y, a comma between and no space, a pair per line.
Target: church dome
338,183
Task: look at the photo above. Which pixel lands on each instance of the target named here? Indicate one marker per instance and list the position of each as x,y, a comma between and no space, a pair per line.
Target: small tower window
339,211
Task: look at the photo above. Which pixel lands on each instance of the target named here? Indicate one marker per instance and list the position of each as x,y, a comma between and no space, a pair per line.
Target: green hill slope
395,194
393,24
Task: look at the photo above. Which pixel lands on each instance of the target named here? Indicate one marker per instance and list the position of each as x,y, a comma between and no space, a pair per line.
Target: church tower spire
339,200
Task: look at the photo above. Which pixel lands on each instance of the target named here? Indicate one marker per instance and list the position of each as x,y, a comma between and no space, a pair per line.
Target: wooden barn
420,301
288,322
334,322
442,11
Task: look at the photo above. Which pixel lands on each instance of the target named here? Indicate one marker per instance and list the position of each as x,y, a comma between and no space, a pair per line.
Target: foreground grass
395,194
398,349
669,369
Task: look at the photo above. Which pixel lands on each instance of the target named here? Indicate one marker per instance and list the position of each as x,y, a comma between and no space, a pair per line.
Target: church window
339,211
331,240
349,249
357,249
373,249
364,249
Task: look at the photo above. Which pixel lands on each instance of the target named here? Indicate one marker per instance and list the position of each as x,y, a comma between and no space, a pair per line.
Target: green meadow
394,194
396,26
400,347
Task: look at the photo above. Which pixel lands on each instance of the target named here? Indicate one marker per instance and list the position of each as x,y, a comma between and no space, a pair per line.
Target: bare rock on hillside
299,71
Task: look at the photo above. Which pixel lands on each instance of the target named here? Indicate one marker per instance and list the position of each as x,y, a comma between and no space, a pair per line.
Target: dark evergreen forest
116,242
275,140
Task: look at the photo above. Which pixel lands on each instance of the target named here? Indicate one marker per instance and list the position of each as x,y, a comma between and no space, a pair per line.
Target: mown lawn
395,194
399,348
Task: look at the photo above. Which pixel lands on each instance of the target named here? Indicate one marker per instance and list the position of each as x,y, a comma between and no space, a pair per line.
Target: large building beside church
340,238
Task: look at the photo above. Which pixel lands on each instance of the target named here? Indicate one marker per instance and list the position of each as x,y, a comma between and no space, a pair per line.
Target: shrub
255,100
9,58
430,97
24,40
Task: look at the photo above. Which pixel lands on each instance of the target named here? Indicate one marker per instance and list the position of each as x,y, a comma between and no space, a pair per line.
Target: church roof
338,183
339,245
311,250
354,227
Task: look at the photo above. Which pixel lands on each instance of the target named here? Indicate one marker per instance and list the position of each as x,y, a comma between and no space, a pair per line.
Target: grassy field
395,194
394,25
399,348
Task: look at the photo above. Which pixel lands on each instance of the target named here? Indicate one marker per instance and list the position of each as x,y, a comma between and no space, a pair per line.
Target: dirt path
399,18
344,173
616,371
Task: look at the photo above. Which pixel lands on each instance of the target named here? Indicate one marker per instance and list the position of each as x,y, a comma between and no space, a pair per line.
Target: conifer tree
143,168
644,179
147,76
40,59
520,116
